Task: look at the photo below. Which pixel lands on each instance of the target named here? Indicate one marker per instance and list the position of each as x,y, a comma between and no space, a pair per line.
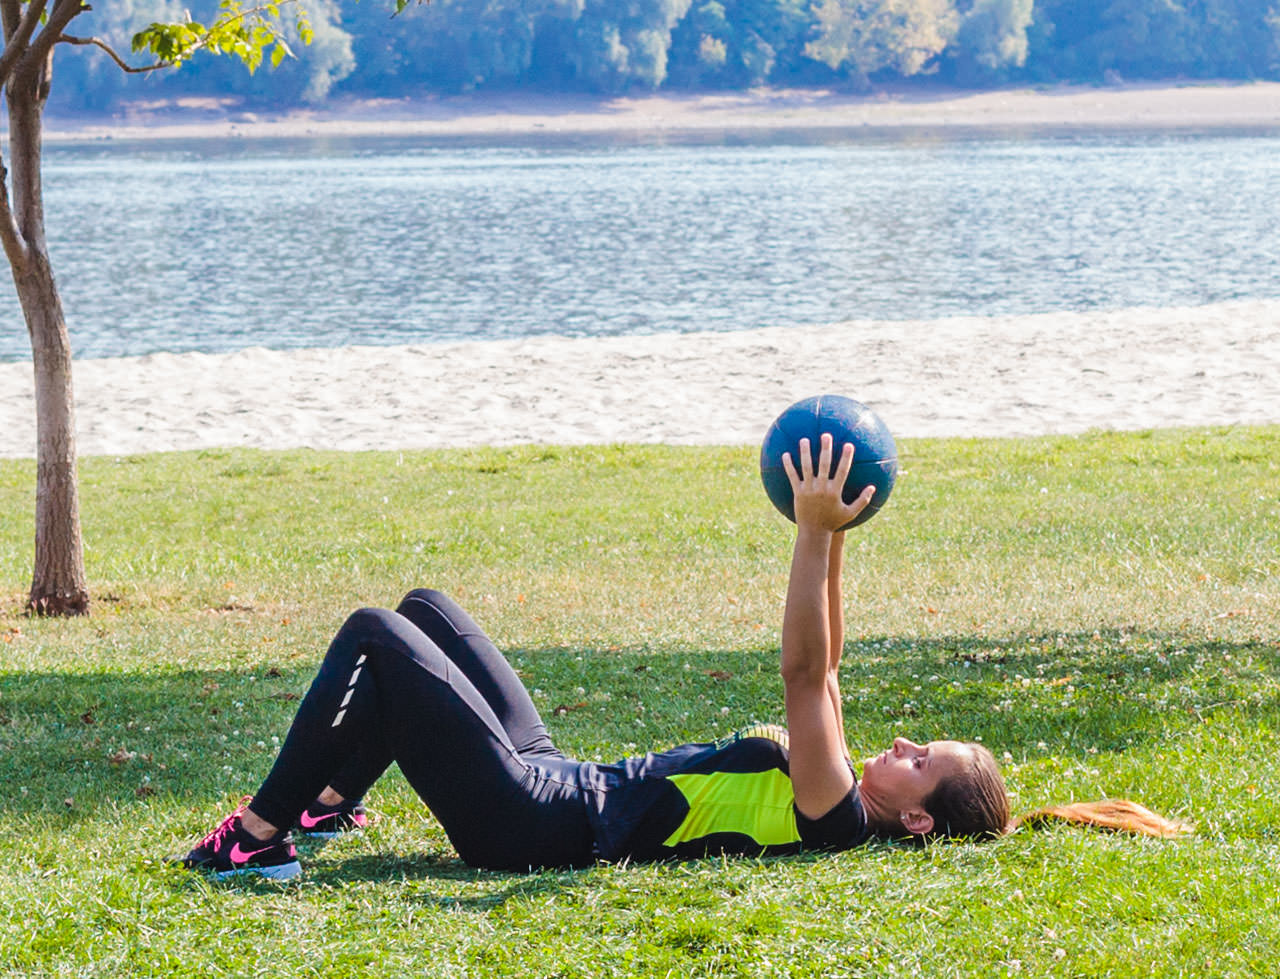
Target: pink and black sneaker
229,851
326,822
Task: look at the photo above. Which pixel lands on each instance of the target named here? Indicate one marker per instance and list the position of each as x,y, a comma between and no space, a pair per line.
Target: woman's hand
818,500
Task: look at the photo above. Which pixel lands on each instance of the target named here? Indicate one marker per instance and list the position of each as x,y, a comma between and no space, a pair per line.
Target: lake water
216,246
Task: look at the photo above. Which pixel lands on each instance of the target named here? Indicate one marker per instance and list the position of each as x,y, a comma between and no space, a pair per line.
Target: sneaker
326,822
230,850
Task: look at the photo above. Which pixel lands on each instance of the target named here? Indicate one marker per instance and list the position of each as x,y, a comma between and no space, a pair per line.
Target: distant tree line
613,46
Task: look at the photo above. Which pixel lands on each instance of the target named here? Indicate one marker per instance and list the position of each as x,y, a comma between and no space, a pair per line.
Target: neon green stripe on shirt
760,805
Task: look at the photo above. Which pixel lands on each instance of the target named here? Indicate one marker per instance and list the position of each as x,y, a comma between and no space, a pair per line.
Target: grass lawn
1102,611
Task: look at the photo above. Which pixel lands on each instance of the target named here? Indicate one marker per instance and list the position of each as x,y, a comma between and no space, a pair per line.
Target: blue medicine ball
875,456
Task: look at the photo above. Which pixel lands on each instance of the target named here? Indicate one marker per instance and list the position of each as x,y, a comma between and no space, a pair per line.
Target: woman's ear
917,821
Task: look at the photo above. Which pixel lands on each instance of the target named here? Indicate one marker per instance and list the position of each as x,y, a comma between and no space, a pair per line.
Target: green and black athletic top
728,796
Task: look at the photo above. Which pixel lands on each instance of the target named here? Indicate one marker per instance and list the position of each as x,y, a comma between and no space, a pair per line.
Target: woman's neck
880,821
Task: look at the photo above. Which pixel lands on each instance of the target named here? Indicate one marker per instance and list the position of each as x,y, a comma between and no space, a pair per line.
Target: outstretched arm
835,610
812,629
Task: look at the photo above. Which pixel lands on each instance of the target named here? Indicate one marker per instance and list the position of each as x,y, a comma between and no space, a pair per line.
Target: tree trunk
59,585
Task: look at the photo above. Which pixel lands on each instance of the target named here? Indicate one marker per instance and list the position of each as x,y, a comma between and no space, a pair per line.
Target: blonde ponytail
1119,815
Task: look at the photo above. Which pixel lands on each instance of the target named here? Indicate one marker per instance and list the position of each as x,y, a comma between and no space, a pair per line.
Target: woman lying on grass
424,687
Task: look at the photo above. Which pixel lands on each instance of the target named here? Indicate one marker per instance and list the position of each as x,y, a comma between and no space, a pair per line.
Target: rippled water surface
217,246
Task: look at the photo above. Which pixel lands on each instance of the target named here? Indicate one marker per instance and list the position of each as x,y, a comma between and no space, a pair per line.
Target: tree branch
10,14
123,65
15,248
64,12
17,33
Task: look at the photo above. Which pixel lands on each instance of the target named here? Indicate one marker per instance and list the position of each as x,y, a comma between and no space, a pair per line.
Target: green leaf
239,32
303,27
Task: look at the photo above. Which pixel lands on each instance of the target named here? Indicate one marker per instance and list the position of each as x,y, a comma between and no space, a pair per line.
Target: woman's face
903,776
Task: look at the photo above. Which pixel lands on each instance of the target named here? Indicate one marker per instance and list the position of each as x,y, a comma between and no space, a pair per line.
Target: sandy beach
971,376
1255,104
1003,376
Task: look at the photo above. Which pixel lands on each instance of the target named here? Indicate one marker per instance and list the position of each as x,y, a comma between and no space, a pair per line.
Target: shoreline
1055,373
1007,376
1164,106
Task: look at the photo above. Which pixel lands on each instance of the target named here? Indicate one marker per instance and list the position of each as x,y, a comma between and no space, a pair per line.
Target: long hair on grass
1119,815
974,804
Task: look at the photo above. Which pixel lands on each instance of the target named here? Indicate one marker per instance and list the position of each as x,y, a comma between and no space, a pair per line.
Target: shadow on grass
82,745
446,882
436,880
484,891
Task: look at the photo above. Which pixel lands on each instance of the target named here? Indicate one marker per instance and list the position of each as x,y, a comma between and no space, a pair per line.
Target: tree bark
59,585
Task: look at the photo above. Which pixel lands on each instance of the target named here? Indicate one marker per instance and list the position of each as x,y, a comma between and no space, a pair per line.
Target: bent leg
446,623
382,678
365,766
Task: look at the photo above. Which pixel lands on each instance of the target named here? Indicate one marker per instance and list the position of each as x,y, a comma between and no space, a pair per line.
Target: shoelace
215,838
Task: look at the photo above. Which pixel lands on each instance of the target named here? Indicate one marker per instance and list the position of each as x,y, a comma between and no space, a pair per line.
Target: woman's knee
436,614
368,620
429,596
371,627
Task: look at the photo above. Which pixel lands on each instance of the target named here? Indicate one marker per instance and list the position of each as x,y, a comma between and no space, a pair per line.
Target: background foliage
608,46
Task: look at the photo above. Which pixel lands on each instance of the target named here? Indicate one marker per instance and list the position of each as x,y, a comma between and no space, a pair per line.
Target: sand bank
969,376
1132,106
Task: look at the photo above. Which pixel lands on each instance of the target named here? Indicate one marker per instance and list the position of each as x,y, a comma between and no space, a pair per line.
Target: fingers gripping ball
875,456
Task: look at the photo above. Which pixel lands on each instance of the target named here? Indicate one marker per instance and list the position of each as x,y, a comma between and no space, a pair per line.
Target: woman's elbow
803,675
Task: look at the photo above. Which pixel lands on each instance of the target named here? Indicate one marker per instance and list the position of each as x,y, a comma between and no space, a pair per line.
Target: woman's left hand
818,500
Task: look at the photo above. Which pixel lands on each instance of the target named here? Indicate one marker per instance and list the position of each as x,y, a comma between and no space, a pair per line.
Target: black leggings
423,686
